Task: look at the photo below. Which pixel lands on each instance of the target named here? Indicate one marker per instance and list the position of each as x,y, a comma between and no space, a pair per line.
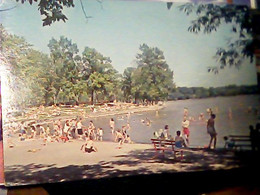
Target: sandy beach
29,162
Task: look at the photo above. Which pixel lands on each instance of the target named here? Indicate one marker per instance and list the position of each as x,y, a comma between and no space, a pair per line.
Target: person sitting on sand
179,141
127,139
88,146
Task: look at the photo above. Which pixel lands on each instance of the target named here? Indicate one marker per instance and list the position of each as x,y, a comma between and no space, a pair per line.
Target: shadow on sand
131,164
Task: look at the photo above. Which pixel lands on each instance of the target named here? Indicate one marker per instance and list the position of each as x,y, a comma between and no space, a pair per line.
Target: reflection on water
232,118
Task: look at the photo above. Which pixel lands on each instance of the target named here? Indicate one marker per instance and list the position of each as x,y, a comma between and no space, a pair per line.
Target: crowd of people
55,131
65,131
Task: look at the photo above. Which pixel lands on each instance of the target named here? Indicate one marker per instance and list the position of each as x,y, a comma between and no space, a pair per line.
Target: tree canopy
153,79
67,76
52,10
210,17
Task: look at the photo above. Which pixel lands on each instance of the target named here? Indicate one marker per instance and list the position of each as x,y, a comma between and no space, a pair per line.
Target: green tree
127,83
66,77
27,68
209,17
52,10
153,79
99,73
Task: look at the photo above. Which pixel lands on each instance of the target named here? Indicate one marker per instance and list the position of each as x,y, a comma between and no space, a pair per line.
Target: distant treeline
181,93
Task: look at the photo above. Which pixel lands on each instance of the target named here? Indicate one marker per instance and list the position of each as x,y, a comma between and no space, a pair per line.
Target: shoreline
129,110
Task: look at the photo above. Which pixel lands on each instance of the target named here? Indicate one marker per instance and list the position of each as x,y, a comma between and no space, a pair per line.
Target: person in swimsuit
212,131
185,129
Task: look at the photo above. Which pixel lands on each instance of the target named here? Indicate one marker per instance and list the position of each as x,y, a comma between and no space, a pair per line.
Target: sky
118,28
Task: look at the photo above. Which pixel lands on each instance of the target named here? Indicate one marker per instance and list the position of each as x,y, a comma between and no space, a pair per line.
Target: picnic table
166,145
241,141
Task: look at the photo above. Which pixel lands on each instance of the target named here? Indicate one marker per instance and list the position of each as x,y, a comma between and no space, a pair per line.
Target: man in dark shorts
211,130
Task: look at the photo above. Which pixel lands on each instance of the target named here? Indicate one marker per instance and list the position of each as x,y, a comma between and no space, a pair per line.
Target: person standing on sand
79,128
119,137
185,129
112,125
212,131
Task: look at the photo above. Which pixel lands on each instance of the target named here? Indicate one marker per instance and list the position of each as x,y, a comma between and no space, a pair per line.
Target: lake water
172,115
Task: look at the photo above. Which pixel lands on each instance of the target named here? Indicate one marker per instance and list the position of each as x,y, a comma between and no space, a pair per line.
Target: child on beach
179,141
88,146
100,134
91,130
112,125
229,143
119,137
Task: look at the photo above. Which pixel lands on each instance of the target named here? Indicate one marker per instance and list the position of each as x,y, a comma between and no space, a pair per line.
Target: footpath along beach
30,162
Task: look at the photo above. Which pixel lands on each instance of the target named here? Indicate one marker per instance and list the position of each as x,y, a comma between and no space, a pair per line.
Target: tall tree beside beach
64,56
153,79
100,76
27,67
127,83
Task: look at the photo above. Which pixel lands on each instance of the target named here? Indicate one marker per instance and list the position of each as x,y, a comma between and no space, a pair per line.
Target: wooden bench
240,141
166,145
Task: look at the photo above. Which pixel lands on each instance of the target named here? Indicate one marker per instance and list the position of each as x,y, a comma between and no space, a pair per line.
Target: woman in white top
185,129
66,128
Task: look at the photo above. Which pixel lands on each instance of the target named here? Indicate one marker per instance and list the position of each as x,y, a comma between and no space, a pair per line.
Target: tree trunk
92,97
